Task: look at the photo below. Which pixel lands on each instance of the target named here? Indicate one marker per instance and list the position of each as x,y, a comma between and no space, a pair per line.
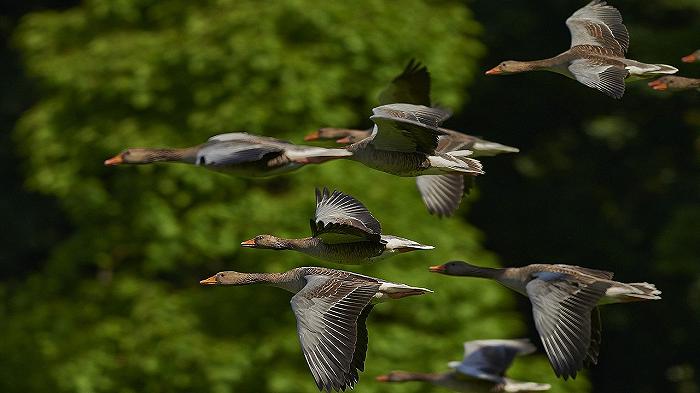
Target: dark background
607,184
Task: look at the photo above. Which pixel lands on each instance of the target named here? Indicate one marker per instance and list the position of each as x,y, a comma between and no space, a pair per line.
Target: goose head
510,67
456,268
340,135
692,58
228,278
265,241
133,156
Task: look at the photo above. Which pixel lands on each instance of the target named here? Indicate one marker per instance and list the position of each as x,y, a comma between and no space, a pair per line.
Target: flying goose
343,231
482,370
331,307
564,300
237,153
692,58
405,142
440,193
599,41
673,82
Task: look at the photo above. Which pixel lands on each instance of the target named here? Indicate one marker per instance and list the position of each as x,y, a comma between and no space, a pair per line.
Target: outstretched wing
609,79
489,359
412,86
228,153
340,218
407,128
562,313
328,312
599,24
441,194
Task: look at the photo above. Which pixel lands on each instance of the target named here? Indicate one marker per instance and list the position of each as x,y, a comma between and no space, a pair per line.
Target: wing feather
329,312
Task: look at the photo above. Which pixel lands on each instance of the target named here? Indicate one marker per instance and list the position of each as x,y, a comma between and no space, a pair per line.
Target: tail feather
511,385
485,148
647,291
315,155
665,69
472,165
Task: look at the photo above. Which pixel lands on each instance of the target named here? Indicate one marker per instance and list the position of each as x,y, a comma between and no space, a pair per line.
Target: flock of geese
331,306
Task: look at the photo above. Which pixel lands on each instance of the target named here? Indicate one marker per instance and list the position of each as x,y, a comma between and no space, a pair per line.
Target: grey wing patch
358,357
454,140
562,314
609,79
489,359
418,114
441,194
596,339
412,86
245,137
327,312
407,128
599,24
602,274
229,153
338,213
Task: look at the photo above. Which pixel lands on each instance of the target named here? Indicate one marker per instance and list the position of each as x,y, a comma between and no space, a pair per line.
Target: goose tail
397,291
511,385
457,161
487,149
315,155
646,290
665,69
632,292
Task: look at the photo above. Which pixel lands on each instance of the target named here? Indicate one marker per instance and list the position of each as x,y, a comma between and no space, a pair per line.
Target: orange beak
344,140
494,71
383,378
209,281
689,59
437,269
116,160
312,136
658,85
249,243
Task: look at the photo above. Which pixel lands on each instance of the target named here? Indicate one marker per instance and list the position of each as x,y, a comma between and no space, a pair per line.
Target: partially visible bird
440,193
675,83
331,307
237,153
564,300
599,41
692,58
343,231
482,370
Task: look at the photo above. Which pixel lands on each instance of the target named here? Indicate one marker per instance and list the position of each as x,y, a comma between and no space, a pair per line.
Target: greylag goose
692,58
237,153
482,370
440,193
451,140
564,300
599,41
343,231
405,142
673,82
331,307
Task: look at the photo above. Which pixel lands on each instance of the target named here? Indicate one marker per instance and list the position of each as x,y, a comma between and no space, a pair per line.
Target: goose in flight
599,41
343,231
482,370
441,194
675,83
331,307
564,302
237,153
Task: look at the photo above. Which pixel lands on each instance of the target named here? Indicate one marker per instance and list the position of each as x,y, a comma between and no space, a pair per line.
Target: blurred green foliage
116,306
